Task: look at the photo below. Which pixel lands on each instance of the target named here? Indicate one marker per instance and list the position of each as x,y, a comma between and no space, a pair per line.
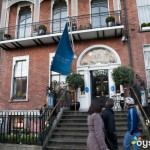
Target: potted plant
74,81
110,21
123,75
42,29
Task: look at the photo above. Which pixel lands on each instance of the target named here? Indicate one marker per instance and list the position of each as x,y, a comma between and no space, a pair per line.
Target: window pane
20,86
147,59
24,29
143,11
20,69
18,122
59,12
98,7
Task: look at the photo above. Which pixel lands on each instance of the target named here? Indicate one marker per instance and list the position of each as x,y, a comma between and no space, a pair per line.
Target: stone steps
72,131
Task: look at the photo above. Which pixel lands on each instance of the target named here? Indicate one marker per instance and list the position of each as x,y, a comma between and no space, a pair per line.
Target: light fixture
124,38
75,56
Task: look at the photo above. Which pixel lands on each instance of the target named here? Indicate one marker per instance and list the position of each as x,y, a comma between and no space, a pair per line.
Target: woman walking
96,137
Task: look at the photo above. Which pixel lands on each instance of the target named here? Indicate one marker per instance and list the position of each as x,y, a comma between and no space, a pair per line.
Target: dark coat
110,130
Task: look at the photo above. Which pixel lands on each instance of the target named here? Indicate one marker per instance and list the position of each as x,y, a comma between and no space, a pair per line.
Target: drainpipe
127,27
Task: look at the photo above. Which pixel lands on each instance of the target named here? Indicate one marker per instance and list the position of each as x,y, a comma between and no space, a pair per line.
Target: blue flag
62,60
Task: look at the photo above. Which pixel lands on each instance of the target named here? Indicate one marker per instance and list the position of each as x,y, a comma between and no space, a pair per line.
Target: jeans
128,138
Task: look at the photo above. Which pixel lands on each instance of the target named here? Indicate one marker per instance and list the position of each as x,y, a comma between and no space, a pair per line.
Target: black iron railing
24,127
84,22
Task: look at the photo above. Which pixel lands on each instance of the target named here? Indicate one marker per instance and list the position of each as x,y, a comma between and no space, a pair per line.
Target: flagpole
70,28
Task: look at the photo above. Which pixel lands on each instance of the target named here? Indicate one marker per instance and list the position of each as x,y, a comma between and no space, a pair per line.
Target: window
57,77
18,122
59,16
93,57
20,78
98,10
24,22
147,66
143,11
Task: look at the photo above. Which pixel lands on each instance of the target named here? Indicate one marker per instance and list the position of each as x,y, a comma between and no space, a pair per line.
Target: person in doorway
109,123
133,125
96,137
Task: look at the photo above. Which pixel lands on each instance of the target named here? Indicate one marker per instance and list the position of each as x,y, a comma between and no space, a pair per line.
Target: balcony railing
84,22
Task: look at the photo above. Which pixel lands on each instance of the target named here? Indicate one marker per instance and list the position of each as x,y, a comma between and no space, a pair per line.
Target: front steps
72,131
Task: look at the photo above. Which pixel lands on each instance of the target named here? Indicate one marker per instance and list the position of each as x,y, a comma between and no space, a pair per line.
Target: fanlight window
98,56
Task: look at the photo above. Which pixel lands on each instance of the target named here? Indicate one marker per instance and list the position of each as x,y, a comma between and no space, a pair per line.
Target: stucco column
36,10
74,7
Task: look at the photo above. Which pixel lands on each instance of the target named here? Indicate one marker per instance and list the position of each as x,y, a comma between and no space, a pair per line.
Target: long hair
96,105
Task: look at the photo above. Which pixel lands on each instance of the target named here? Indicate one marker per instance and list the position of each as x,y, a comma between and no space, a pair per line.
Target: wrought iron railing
84,22
23,127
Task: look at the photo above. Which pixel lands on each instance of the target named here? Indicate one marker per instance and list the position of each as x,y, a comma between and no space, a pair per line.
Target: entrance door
99,79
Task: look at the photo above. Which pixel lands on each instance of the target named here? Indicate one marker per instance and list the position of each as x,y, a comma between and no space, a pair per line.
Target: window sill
18,100
145,29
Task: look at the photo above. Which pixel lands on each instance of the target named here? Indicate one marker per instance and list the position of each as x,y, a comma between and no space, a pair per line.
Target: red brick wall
45,13
13,14
39,70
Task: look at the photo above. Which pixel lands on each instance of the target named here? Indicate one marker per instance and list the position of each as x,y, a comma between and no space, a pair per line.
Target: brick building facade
26,57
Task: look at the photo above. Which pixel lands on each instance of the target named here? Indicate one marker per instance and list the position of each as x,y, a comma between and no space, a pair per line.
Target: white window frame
19,58
146,48
18,9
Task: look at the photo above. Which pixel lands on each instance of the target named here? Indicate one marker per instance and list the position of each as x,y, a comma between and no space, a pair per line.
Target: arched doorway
96,64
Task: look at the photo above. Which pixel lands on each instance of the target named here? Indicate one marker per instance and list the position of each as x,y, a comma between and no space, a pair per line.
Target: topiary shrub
75,80
110,19
123,75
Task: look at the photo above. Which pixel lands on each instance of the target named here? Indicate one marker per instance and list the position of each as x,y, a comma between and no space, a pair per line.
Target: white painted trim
50,61
146,68
85,101
3,13
10,3
95,47
36,13
18,9
14,62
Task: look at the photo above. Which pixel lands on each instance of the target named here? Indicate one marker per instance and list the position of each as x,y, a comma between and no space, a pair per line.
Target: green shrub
143,25
43,27
123,75
110,19
75,80
148,24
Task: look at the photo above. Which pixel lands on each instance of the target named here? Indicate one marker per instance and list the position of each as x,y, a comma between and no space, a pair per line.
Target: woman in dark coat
96,137
109,123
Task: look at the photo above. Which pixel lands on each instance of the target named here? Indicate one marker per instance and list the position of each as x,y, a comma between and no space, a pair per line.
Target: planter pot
35,34
110,24
122,104
145,28
41,32
72,106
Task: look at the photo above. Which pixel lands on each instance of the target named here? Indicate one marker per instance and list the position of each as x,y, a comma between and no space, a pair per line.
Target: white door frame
85,100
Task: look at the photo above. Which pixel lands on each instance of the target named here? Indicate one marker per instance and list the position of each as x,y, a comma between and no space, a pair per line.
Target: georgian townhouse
30,33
